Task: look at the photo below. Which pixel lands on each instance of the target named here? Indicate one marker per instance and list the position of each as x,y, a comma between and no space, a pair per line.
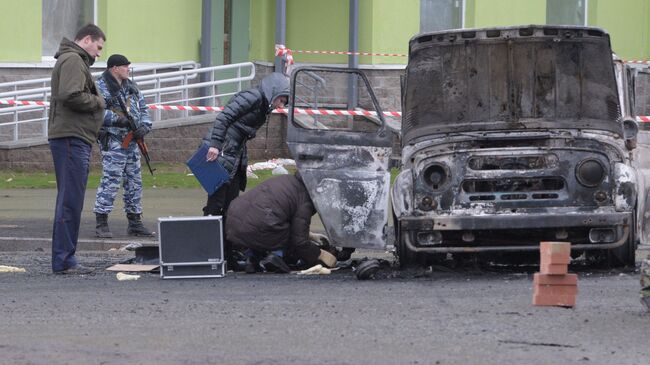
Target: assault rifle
139,141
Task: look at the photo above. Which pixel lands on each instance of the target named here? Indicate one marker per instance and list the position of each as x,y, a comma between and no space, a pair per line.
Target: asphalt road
467,315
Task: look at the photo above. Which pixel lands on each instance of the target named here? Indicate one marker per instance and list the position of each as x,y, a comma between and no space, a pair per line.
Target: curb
8,244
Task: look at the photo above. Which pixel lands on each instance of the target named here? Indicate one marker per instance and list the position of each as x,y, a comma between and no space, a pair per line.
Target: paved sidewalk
26,217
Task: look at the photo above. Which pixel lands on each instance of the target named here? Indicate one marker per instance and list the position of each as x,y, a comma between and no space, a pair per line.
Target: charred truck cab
509,137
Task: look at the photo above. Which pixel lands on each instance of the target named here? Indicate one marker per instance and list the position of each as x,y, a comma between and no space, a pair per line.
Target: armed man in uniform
121,164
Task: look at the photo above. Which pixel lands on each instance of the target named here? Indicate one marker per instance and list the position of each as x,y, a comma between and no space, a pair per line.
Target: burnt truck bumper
553,220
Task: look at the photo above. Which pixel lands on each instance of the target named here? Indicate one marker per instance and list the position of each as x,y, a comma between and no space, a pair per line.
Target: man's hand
122,122
141,132
213,152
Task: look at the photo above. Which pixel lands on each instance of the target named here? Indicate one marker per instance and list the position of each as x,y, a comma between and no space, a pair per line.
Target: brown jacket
275,214
76,108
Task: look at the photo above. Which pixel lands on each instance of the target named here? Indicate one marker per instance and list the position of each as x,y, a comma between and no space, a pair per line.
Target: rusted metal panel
509,78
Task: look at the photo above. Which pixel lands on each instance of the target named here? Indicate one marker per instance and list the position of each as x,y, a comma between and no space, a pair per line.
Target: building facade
154,31
167,31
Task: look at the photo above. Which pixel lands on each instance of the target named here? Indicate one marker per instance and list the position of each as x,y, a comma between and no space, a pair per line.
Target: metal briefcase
191,247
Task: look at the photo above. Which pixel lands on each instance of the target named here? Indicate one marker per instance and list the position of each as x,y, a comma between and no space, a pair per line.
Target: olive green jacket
76,108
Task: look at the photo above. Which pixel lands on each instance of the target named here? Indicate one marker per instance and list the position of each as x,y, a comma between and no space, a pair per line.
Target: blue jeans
71,161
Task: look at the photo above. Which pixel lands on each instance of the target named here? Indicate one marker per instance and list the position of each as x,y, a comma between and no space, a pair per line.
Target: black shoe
274,263
135,227
345,254
75,270
101,229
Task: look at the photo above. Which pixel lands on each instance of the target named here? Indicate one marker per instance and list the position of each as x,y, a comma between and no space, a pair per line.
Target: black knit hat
117,60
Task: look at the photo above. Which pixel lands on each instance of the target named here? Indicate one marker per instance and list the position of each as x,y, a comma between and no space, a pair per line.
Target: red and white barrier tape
220,108
643,62
281,50
23,102
186,107
366,113
640,118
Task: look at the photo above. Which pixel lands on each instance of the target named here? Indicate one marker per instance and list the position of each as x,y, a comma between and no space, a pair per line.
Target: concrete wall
169,142
21,29
151,30
173,141
626,22
385,26
495,13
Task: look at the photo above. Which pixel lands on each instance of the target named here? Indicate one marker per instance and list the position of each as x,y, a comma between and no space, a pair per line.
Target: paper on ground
126,277
4,268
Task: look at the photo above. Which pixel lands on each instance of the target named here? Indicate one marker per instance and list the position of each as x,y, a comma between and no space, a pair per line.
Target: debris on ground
126,277
131,246
316,270
250,174
280,170
272,164
133,268
4,268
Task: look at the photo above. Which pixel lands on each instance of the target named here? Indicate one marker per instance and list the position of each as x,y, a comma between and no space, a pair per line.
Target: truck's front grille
511,185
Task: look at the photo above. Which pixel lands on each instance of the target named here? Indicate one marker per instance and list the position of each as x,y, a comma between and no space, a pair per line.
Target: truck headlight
435,175
590,172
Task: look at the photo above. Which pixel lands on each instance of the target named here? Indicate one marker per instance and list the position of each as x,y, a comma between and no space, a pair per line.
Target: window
62,18
566,12
441,14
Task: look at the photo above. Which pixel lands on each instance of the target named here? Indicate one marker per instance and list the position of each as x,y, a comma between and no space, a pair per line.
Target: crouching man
275,216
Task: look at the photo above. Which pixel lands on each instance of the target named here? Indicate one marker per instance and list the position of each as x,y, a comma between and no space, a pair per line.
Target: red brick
554,290
554,269
546,259
551,253
544,279
562,248
555,300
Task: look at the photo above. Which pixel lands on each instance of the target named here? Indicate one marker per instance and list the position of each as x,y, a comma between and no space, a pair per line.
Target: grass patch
166,176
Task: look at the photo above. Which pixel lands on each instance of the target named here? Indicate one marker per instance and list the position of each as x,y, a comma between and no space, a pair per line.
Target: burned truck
509,137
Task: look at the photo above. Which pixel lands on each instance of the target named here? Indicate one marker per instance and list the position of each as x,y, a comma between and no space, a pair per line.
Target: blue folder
210,174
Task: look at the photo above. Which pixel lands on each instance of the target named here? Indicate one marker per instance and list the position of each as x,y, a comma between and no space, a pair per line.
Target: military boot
101,229
136,228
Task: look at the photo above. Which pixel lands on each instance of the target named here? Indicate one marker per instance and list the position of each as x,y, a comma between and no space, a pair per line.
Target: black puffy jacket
244,114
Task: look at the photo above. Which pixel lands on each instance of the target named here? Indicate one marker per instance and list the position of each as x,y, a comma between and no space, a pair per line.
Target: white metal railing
186,84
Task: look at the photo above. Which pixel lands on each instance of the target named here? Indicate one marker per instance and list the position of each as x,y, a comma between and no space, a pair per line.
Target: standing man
244,114
75,116
121,165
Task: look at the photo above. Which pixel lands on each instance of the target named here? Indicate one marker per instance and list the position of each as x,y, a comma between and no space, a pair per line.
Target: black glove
141,131
122,122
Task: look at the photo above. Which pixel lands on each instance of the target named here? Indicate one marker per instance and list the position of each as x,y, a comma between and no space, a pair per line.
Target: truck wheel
405,256
625,254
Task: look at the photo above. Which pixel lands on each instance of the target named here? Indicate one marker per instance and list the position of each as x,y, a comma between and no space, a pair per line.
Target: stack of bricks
553,285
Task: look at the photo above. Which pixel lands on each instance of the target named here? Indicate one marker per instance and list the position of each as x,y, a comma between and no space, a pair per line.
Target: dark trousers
219,202
71,160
